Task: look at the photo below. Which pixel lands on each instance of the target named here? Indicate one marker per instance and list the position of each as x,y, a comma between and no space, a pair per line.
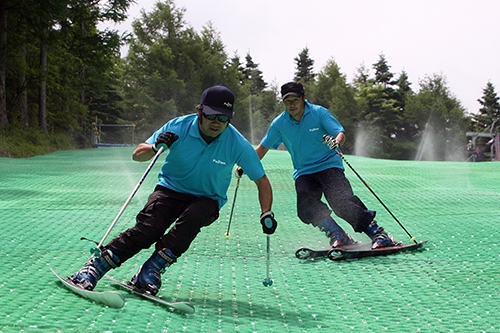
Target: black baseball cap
292,89
218,100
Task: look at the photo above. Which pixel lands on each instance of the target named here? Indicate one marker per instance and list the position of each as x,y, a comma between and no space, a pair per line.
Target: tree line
59,73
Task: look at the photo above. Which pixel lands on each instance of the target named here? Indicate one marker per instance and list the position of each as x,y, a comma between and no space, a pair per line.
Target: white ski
184,307
113,299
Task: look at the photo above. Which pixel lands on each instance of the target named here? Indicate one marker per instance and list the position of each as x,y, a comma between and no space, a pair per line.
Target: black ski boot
95,269
378,236
337,235
148,278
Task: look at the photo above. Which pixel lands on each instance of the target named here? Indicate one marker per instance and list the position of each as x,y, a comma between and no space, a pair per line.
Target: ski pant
339,195
164,207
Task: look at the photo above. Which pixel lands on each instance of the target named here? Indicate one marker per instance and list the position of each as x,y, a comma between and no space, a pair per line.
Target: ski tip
184,307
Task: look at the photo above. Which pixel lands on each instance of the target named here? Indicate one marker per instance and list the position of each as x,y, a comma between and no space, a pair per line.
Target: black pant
339,195
164,207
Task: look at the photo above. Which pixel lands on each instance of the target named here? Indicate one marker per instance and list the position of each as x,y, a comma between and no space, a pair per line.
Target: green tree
439,120
383,75
361,77
58,62
488,117
238,69
169,65
304,65
402,91
403,143
159,67
235,80
381,117
253,74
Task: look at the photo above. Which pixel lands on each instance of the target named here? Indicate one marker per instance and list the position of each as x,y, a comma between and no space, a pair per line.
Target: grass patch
18,143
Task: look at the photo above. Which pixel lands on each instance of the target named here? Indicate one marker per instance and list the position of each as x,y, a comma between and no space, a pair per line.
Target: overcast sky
459,39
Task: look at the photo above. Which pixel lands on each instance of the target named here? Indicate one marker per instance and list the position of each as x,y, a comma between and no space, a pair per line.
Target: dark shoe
379,237
337,235
338,240
94,270
148,278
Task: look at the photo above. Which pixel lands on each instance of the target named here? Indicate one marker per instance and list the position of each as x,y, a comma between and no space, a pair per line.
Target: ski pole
268,281
329,144
227,234
150,166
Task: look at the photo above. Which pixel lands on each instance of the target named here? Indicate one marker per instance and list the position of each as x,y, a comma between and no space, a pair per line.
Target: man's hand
165,140
330,141
238,172
268,222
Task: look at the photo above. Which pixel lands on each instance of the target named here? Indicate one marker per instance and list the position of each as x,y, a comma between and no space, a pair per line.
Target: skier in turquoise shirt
318,169
193,182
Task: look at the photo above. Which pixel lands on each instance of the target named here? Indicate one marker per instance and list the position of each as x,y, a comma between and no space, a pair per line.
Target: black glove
165,140
330,141
238,172
268,222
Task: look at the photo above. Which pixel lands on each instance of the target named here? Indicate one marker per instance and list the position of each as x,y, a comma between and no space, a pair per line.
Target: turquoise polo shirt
205,170
303,139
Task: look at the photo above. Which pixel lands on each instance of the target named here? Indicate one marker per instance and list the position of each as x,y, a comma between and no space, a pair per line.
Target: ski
112,299
307,253
183,307
365,250
355,251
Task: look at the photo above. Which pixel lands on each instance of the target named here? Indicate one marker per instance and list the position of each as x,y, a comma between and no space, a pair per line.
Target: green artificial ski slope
47,203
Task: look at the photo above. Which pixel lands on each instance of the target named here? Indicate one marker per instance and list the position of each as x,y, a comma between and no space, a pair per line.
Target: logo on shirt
314,129
218,162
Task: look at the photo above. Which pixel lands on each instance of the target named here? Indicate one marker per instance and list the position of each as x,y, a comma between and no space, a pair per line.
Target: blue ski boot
148,278
95,269
378,236
337,235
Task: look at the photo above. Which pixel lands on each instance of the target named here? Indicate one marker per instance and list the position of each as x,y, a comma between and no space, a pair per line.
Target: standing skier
192,188
318,169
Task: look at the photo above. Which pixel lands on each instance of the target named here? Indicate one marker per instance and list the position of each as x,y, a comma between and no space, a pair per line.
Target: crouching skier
193,184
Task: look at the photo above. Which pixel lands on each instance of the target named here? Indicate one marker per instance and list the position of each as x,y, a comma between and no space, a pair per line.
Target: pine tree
304,65
489,114
254,74
382,74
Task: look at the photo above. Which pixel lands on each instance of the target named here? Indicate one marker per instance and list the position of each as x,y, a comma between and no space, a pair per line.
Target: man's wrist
267,213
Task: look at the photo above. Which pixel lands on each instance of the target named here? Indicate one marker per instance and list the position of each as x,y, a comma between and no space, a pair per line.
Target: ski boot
95,269
378,236
338,237
148,278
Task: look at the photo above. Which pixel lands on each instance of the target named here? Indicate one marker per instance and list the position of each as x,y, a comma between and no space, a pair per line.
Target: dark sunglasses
220,117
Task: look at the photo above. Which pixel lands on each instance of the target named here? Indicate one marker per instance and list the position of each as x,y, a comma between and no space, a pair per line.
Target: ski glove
238,172
268,222
165,140
330,141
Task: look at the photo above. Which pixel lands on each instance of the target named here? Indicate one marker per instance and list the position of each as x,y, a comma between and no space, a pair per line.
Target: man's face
294,106
212,128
